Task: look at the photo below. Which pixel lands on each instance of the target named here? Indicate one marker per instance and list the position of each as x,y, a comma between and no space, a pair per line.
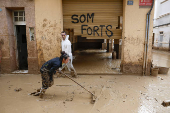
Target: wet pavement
115,93
95,62
101,62
161,58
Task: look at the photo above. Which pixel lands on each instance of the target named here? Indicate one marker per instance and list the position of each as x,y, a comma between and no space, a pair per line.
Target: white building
162,25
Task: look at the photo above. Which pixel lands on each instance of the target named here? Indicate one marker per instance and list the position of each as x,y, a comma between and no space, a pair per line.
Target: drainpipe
145,45
147,40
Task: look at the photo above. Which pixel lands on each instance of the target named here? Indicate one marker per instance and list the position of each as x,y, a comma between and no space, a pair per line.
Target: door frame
15,34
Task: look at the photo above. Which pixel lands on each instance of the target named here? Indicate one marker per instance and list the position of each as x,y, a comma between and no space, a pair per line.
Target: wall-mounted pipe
145,44
147,39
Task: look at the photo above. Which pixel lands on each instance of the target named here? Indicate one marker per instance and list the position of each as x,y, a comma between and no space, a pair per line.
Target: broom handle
77,83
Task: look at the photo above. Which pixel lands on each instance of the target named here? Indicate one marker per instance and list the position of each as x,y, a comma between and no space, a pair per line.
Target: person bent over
48,69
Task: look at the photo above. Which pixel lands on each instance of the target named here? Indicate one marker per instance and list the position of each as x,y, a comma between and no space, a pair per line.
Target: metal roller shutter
94,19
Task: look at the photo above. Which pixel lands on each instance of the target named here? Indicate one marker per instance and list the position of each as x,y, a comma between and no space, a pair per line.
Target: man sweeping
47,70
66,46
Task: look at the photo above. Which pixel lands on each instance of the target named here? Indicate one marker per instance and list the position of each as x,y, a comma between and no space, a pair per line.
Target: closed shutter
94,19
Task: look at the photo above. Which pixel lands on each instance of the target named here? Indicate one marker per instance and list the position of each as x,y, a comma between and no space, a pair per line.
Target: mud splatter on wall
48,28
133,37
9,49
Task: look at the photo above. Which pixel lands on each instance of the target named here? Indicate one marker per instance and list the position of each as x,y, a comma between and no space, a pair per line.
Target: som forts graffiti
91,30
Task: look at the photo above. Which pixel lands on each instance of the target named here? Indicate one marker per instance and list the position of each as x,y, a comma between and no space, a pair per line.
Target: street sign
129,2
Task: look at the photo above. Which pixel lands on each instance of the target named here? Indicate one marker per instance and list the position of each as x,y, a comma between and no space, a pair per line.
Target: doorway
91,30
22,47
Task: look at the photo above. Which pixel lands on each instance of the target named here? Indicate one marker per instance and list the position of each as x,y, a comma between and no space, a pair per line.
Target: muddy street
115,93
118,93
161,58
96,61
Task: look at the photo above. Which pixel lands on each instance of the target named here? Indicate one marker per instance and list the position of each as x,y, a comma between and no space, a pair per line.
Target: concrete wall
161,8
12,40
134,21
162,12
4,37
49,24
9,46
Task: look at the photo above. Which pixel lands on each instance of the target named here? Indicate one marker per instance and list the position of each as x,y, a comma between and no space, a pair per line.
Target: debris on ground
113,68
166,103
156,99
69,99
17,90
108,87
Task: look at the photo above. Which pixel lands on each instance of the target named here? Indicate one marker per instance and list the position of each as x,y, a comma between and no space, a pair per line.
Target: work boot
42,92
36,94
38,90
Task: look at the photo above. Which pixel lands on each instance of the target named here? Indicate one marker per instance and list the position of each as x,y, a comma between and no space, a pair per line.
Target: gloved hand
60,72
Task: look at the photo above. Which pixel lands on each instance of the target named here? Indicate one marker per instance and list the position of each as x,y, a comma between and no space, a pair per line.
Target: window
19,16
161,38
161,33
31,29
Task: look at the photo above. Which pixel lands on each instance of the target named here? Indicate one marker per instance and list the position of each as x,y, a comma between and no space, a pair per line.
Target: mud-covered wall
12,40
9,45
4,38
49,24
134,25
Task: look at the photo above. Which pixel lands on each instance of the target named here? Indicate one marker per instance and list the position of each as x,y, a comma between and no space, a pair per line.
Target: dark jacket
52,65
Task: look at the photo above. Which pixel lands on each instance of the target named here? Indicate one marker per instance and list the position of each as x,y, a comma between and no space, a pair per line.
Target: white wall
162,9
166,37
